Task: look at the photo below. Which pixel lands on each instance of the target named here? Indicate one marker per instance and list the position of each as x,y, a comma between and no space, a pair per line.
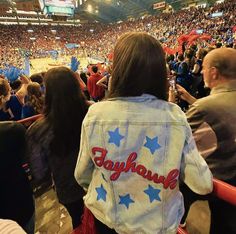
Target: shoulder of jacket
38,128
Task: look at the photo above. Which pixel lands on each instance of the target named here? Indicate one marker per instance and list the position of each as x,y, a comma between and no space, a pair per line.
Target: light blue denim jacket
134,152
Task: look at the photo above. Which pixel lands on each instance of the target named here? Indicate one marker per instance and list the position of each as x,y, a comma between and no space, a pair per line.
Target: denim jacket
134,152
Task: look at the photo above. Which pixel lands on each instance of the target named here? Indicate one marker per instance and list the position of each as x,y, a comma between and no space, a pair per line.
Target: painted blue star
152,144
126,200
101,193
115,137
153,193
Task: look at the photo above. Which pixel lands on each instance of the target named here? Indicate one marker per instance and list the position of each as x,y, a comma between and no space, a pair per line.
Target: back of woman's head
62,91
37,77
33,88
35,97
65,108
138,67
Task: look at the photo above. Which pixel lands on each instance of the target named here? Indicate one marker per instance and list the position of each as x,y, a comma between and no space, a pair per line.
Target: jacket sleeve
37,152
195,117
194,170
85,166
204,135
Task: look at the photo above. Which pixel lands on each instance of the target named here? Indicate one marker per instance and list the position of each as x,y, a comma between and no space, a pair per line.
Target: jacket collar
225,87
143,98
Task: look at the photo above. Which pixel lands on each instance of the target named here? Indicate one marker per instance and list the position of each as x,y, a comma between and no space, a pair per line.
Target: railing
30,120
224,191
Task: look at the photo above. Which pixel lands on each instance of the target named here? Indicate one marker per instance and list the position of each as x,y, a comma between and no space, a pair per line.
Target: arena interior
38,35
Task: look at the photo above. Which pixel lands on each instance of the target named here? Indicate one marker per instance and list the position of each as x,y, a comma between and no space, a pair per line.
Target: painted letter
99,160
130,163
141,170
118,167
108,164
171,179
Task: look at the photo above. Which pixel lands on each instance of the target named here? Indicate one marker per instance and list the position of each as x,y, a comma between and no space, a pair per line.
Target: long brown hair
138,67
65,108
35,97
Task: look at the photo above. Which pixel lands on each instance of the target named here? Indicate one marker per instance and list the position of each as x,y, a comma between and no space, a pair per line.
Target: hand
74,64
172,95
24,79
185,95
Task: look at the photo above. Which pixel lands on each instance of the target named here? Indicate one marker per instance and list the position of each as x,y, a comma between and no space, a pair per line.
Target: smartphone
172,83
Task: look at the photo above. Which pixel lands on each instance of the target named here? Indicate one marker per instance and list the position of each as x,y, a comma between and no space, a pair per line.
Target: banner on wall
71,45
159,5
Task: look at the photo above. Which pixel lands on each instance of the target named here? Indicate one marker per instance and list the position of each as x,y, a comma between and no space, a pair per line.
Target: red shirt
95,91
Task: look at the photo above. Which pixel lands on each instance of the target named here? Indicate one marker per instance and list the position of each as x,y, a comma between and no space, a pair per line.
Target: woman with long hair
136,147
54,140
34,100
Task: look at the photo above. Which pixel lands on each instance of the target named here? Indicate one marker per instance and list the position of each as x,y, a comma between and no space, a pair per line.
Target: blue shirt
15,106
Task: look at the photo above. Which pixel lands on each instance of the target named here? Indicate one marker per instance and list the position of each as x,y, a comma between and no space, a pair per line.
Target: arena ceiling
110,11
102,10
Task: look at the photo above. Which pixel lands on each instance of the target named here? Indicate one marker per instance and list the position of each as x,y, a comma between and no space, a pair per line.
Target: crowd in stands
98,150
97,39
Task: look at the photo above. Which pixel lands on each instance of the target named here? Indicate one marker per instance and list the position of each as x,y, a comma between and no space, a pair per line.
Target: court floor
44,64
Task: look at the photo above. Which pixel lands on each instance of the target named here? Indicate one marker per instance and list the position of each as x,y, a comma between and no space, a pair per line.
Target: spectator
197,86
38,77
33,101
104,82
16,197
136,147
54,140
212,120
96,92
16,101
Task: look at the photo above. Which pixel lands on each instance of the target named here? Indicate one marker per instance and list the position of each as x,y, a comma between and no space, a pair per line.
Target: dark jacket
212,120
16,200
42,162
